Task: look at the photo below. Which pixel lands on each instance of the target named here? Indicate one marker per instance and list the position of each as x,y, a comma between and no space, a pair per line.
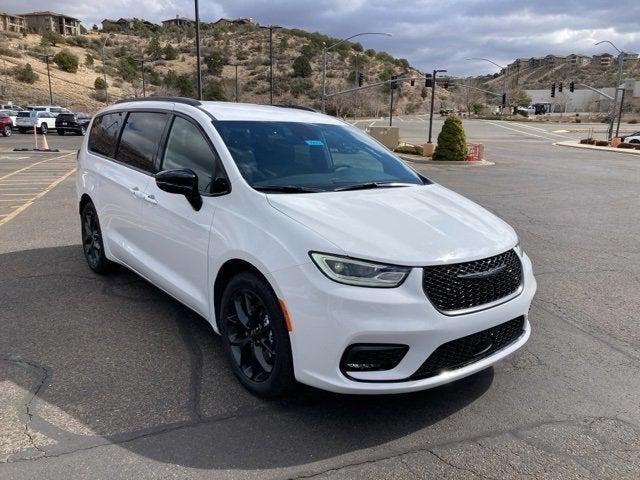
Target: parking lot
108,377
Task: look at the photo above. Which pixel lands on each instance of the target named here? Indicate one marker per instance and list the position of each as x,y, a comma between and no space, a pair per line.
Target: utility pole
198,65
144,90
47,55
104,73
270,65
392,87
236,66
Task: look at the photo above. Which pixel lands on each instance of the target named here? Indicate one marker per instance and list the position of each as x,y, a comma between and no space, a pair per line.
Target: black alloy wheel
255,336
92,243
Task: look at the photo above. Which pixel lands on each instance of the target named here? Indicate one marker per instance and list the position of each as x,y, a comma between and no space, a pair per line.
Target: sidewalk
577,144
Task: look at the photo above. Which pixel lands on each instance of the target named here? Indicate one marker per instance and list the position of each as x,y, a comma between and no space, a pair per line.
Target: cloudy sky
430,34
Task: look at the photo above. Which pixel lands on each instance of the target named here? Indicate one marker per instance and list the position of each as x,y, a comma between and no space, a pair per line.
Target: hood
424,225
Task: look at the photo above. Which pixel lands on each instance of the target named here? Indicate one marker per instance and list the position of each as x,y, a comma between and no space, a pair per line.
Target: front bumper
327,317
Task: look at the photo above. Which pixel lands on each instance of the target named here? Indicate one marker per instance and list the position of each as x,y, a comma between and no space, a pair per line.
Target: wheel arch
226,272
84,199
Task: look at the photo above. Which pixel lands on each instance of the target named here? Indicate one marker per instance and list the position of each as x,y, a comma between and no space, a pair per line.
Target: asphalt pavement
106,377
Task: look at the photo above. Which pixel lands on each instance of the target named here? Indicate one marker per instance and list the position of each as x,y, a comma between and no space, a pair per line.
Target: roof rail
299,107
187,101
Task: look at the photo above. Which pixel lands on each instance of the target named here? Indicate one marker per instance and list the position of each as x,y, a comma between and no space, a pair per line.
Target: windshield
315,157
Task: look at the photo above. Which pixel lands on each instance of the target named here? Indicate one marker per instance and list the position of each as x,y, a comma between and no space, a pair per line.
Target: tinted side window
104,133
140,139
187,148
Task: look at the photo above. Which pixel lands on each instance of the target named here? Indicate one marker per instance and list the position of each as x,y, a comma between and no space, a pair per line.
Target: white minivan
315,253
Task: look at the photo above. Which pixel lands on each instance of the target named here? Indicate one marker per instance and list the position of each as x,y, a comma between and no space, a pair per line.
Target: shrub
51,38
100,84
66,61
301,67
215,62
182,83
214,90
626,145
587,141
154,50
452,141
633,121
602,143
301,86
78,41
127,68
88,60
409,149
25,74
8,52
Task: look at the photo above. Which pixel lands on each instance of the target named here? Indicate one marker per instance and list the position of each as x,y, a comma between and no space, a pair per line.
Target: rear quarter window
104,133
140,139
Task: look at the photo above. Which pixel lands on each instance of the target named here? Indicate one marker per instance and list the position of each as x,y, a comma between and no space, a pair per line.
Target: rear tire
60,132
92,243
255,336
44,128
82,131
6,131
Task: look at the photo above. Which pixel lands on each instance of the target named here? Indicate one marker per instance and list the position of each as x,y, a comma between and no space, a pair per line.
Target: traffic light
360,79
560,87
445,85
572,87
504,100
394,82
553,90
428,80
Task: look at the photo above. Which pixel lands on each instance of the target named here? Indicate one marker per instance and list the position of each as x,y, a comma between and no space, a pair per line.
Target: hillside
169,59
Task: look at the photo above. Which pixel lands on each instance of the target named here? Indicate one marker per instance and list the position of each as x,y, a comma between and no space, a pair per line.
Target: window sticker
314,143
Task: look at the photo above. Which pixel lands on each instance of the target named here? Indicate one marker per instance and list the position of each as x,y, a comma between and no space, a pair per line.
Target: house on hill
42,22
603,60
234,21
577,60
178,22
126,24
12,23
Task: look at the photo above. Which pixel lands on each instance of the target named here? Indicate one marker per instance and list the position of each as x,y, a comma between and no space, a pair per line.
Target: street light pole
144,90
504,78
198,62
270,65
325,49
615,96
236,66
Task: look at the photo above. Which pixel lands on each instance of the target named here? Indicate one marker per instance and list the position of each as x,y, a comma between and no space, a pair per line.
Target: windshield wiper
371,185
286,189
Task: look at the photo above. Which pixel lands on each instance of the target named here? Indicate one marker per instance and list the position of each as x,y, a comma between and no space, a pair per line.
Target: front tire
92,243
255,336
44,128
60,132
83,131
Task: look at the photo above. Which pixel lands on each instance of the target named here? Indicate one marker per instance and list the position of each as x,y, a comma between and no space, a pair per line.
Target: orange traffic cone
45,145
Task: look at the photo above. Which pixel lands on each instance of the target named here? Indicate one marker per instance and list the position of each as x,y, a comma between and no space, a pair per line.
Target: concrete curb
575,144
428,161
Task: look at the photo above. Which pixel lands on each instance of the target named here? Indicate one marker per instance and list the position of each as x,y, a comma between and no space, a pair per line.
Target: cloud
430,34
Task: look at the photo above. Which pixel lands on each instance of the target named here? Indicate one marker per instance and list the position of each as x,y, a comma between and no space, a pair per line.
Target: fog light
361,357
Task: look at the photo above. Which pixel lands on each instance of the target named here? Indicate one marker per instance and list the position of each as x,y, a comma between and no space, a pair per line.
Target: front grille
470,349
466,285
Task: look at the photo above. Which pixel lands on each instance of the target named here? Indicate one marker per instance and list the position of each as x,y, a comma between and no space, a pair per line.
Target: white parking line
519,131
542,130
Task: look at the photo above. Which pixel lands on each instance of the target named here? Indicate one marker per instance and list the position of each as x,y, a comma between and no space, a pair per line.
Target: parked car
633,138
12,114
53,109
315,252
10,106
6,125
72,123
45,121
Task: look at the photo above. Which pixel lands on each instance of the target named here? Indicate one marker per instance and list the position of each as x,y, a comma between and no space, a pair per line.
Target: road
109,378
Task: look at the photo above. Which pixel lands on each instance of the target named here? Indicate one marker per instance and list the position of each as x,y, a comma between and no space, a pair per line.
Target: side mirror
220,186
183,182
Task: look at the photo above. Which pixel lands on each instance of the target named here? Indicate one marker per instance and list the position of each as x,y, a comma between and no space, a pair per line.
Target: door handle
151,199
135,191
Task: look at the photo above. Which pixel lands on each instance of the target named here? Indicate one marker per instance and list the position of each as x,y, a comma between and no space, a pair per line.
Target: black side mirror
220,186
183,182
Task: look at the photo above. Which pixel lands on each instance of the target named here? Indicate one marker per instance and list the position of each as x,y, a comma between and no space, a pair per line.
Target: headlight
359,272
